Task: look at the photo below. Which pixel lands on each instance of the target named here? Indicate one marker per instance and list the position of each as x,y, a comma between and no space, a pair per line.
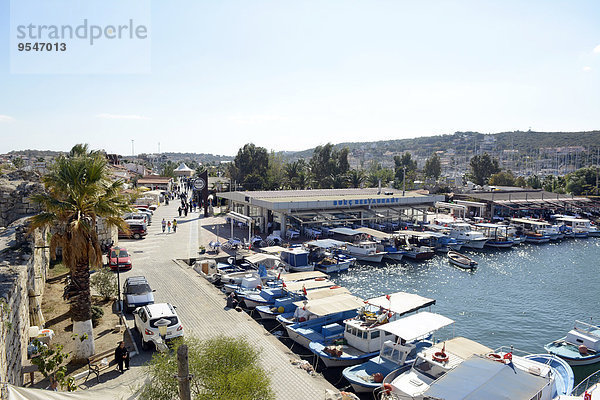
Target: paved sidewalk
201,306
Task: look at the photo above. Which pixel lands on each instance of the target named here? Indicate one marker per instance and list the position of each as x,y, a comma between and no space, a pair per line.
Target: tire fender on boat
387,388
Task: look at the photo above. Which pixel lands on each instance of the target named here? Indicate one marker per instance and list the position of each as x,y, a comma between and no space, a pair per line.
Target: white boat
326,255
461,261
388,243
588,389
464,233
363,335
499,236
581,227
581,346
296,259
415,245
430,365
365,250
536,231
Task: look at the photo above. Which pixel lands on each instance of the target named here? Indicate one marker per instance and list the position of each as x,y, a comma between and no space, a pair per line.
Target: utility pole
183,373
132,152
403,180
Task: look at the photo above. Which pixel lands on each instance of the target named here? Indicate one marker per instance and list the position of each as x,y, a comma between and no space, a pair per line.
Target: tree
534,182
433,167
402,162
79,190
168,169
376,173
520,182
329,166
356,177
482,167
51,362
296,174
249,168
503,178
223,368
104,282
275,173
18,162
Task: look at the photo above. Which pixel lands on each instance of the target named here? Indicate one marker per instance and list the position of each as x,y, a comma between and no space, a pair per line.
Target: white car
136,217
146,317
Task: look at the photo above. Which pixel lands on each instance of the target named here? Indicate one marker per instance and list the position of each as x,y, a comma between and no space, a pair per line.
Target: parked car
145,319
137,230
135,217
118,257
147,213
137,293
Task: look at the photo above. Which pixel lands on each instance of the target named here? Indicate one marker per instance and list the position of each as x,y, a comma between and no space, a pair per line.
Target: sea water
524,297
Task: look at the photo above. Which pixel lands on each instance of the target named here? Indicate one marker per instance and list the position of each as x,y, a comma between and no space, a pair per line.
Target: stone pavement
201,306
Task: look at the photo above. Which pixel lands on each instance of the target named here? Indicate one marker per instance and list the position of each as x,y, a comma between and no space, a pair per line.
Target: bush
105,283
224,368
97,313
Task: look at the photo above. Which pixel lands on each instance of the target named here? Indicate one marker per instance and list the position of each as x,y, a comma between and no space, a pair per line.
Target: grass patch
58,270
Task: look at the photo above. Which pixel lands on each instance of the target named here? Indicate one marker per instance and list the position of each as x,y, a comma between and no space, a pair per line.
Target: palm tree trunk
81,312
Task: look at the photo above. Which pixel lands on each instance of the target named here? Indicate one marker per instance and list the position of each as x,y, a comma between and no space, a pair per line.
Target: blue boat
581,346
264,297
326,255
363,337
412,336
564,378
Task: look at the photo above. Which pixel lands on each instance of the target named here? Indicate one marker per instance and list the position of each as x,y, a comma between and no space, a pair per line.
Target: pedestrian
122,356
185,210
169,227
174,225
179,210
164,225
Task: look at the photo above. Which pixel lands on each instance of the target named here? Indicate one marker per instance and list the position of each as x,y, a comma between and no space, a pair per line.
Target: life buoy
440,356
387,388
494,357
587,396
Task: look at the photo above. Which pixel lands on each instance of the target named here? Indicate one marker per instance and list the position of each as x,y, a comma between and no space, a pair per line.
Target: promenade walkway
201,306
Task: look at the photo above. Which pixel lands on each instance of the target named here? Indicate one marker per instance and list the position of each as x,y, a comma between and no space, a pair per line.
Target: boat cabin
295,257
585,335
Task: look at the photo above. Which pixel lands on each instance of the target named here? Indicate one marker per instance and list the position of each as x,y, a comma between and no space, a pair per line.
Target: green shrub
97,313
105,283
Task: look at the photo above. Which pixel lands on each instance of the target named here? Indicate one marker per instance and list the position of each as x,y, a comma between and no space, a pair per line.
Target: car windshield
141,288
123,253
172,321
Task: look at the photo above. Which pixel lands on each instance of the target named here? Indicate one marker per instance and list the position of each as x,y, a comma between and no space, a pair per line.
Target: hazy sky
289,75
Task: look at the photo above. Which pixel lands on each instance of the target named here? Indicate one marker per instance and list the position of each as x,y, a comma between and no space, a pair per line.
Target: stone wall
15,199
24,262
106,233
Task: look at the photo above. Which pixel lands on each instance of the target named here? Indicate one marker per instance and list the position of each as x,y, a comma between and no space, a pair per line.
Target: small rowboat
461,261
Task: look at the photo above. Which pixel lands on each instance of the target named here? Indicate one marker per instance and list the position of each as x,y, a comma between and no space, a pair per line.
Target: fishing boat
412,336
564,377
535,231
283,309
387,243
581,346
362,335
365,250
498,235
296,259
464,233
461,261
430,365
327,256
415,245
580,227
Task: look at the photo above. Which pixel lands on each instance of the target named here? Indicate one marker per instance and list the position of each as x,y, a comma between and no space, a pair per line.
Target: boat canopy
529,221
299,276
463,347
493,226
325,243
480,378
416,326
273,249
374,232
265,259
345,231
308,284
332,304
401,302
416,234
325,292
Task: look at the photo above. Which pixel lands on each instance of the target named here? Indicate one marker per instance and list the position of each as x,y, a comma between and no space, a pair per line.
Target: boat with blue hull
564,378
581,346
498,235
285,315
363,336
327,256
412,333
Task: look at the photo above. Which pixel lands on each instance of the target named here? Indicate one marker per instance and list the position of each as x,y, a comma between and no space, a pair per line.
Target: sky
290,75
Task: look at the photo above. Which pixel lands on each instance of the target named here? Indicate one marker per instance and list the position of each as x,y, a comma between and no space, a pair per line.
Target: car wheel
137,236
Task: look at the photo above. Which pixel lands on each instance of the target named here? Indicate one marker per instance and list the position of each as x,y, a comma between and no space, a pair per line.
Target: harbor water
524,297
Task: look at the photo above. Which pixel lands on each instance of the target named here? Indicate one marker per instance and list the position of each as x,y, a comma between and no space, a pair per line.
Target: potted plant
202,249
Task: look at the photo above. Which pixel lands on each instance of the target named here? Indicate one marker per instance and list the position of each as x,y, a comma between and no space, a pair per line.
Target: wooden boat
461,261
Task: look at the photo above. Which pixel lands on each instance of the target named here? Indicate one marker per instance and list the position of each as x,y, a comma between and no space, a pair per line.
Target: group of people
168,225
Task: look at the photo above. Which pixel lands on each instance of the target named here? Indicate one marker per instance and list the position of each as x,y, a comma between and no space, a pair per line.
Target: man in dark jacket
122,356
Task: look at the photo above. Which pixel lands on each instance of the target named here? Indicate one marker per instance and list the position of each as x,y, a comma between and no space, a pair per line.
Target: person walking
122,356
179,210
164,224
174,225
169,227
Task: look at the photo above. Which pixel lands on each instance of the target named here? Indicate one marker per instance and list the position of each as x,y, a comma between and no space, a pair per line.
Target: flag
283,284
304,290
387,296
279,276
508,356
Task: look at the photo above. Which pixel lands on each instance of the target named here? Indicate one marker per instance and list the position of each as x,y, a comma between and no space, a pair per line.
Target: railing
588,382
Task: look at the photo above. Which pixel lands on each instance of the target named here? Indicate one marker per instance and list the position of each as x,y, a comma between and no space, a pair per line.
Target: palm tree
78,190
356,177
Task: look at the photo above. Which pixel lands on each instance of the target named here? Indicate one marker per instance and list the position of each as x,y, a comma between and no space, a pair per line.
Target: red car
118,257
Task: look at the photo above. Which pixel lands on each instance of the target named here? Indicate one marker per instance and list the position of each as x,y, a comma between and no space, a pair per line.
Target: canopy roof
529,221
332,304
480,378
325,243
375,233
298,276
308,284
259,257
325,292
345,231
183,167
401,302
273,249
463,347
416,325
407,232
